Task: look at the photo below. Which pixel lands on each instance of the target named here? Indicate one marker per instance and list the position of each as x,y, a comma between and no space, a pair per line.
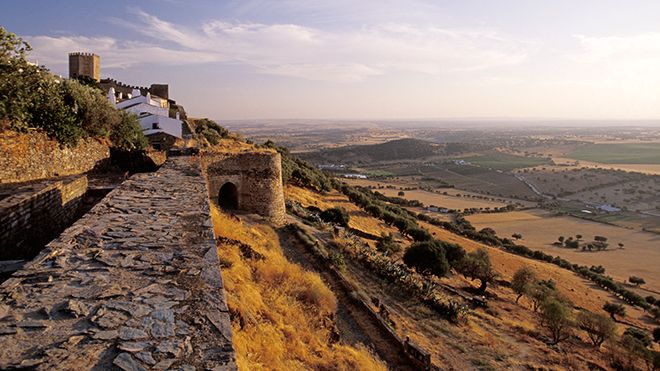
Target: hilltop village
137,237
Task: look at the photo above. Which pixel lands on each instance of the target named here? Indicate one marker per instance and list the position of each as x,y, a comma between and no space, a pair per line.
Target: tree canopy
66,110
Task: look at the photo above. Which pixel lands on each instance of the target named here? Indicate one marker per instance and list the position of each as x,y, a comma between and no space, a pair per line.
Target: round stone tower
247,181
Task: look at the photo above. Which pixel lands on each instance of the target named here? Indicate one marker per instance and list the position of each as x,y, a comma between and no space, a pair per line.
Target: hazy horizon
372,60
474,121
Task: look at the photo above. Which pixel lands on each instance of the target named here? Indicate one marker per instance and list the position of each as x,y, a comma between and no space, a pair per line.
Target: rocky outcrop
134,284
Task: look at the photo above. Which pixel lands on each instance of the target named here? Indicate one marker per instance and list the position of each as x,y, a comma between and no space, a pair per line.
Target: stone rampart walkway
133,285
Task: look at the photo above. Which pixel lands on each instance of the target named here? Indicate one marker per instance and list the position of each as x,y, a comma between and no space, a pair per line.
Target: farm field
539,228
618,153
504,162
412,182
635,196
559,181
465,177
650,169
440,200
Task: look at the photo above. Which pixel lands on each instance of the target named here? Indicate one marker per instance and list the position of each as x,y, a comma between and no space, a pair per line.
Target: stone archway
228,196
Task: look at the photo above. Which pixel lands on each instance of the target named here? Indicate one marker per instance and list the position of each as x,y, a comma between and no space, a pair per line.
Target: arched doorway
228,196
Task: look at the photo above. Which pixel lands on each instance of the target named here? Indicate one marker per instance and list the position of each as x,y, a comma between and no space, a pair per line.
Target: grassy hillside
516,328
400,149
618,153
280,312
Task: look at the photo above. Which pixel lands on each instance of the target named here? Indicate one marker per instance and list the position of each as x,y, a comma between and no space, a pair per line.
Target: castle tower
84,64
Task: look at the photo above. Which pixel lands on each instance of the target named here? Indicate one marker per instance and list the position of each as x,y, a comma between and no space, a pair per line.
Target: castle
160,117
84,65
248,181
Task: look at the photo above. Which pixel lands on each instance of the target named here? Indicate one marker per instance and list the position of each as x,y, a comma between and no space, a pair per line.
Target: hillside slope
400,149
506,335
281,313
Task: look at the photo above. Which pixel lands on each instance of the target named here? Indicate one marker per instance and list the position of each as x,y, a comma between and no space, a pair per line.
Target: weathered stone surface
131,333
114,290
25,157
257,177
164,364
127,363
133,346
33,214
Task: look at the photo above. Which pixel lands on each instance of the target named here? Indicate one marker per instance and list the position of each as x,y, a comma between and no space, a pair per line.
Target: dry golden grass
540,229
358,218
279,311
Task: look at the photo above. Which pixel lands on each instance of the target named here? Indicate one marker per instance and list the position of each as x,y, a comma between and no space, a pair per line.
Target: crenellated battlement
159,90
82,64
117,83
84,54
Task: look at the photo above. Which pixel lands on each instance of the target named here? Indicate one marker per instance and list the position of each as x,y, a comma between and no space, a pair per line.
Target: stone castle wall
27,157
84,64
258,177
134,284
35,214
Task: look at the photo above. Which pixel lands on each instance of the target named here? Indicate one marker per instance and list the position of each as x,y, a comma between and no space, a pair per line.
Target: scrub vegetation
281,313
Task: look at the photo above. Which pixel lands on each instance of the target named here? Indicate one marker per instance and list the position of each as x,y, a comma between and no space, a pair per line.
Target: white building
152,112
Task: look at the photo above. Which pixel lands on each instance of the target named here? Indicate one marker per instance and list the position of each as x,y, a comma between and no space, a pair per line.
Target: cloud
626,64
296,50
640,47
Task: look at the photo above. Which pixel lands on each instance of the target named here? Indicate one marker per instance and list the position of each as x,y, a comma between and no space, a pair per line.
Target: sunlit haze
366,59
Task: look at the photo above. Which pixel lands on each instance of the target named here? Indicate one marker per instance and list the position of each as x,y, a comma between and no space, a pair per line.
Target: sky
366,59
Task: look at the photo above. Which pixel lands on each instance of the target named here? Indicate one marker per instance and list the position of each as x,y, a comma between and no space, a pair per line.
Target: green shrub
66,110
638,334
210,130
387,245
336,215
419,234
476,265
427,257
337,260
128,135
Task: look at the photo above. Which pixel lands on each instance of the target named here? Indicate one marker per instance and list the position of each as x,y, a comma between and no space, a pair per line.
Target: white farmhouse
153,114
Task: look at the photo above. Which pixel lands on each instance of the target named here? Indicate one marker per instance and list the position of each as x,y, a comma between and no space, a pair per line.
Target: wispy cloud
296,50
639,47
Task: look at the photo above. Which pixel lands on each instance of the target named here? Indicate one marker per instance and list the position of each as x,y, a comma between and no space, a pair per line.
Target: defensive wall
251,181
27,157
134,284
34,214
160,90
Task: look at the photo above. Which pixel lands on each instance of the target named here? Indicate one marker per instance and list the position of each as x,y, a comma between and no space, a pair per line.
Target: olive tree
540,291
556,318
614,309
522,279
336,215
476,265
598,327
637,281
427,257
